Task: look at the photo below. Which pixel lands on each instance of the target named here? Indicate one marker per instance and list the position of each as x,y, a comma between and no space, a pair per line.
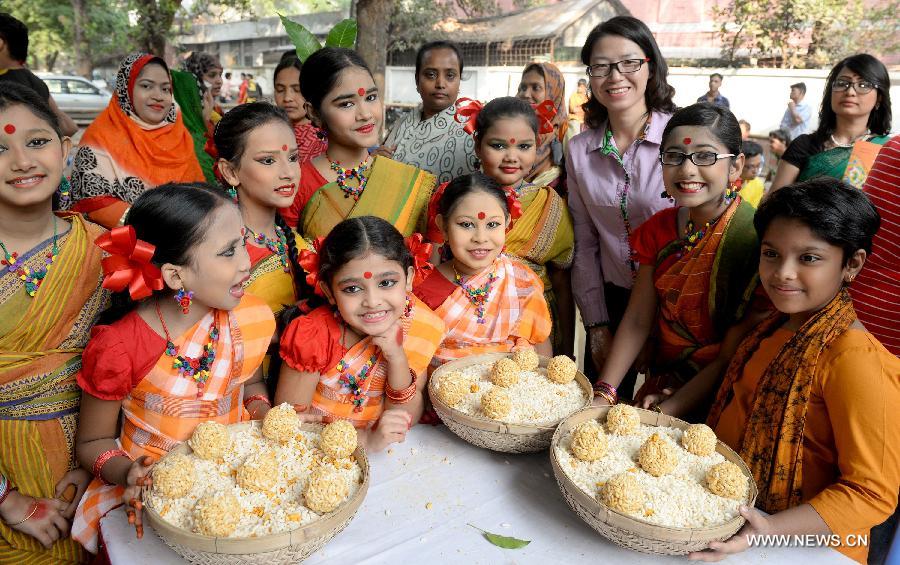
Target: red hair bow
545,111
309,260
128,265
468,109
421,253
433,232
513,203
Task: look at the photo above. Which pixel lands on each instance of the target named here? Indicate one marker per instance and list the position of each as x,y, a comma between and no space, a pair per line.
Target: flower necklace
277,244
343,175
477,296
195,368
354,383
33,278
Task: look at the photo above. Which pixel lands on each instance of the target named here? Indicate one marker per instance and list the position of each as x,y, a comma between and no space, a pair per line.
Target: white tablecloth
424,492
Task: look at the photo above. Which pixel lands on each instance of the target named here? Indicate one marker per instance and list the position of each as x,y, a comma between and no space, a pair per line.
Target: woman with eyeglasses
855,117
614,174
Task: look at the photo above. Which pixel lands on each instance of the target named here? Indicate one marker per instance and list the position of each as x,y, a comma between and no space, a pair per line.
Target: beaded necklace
477,296
354,383
194,368
343,175
692,236
33,278
277,244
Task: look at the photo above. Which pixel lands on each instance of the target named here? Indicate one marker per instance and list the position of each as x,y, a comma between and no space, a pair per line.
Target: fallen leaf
505,542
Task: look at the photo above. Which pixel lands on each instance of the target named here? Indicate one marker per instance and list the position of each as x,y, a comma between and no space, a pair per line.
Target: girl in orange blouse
363,356
809,399
163,366
490,302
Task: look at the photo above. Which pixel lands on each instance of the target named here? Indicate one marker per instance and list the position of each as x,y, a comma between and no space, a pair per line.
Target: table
424,492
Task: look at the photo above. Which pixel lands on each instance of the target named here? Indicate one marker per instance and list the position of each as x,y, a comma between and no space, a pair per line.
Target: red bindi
686,140
361,91
284,147
481,215
9,128
367,274
512,141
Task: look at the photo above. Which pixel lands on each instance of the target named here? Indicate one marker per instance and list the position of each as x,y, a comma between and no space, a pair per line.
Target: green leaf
305,42
342,35
503,541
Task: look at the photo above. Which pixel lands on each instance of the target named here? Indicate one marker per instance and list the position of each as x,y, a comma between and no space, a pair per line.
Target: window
54,85
81,87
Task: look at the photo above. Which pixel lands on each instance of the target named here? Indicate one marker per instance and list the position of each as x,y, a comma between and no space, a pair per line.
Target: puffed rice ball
210,441
505,372
527,359
726,479
496,403
217,514
452,388
338,439
623,493
623,420
174,476
259,472
325,490
589,442
658,456
561,369
281,424
699,439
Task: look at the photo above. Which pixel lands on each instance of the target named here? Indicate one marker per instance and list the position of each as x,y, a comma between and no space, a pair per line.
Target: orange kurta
851,456
163,408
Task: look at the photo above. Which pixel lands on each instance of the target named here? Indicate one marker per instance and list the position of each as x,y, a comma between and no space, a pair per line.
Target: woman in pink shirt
615,178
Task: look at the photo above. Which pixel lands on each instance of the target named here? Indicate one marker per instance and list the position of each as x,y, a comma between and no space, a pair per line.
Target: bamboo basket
493,434
630,532
287,547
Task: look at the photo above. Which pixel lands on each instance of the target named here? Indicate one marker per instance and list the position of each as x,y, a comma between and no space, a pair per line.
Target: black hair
801,86
781,134
836,212
745,123
720,122
716,75
324,67
174,218
15,34
504,107
228,74
288,54
12,93
582,81
434,45
466,184
751,149
658,95
231,136
285,63
870,69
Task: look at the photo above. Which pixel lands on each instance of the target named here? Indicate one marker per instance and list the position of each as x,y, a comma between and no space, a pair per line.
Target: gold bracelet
34,507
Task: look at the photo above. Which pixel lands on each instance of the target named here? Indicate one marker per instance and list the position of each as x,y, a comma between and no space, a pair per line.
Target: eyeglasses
861,87
699,158
624,67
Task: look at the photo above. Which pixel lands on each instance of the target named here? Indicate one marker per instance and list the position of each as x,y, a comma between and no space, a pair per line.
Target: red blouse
312,343
653,235
435,289
311,180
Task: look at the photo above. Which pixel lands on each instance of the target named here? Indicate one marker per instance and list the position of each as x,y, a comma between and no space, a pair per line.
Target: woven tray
287,547
493,434
630,532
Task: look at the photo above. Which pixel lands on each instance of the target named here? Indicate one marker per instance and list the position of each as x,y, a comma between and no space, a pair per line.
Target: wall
759,96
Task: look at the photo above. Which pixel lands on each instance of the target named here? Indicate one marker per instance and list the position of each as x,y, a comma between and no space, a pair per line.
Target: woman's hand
757,524
600,342
138,476
78,478
45,522
651,400
385,151
392,428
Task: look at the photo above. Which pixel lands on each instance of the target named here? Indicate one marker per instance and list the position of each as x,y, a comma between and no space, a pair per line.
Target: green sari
184,88
833,162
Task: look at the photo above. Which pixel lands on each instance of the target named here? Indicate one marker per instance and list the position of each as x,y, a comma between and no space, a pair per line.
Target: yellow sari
41,340
396,192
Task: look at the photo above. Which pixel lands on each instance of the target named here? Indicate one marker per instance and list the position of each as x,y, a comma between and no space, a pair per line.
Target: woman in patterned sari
159,367
50,296
137,143
342,99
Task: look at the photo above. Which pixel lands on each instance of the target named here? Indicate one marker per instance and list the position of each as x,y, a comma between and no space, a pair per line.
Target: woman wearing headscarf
137,143
541,82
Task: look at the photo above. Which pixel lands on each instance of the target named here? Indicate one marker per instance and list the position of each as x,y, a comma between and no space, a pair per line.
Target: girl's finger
61,524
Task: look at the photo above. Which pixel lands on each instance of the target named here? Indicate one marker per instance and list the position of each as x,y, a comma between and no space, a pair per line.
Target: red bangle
607,391
262,397
104,458
401,396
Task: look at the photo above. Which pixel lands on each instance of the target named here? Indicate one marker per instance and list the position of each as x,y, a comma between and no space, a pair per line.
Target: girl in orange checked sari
163,366
363,357
490,302
50,296
697,261
137,143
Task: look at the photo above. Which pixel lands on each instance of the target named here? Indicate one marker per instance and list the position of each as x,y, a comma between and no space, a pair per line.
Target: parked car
76,96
